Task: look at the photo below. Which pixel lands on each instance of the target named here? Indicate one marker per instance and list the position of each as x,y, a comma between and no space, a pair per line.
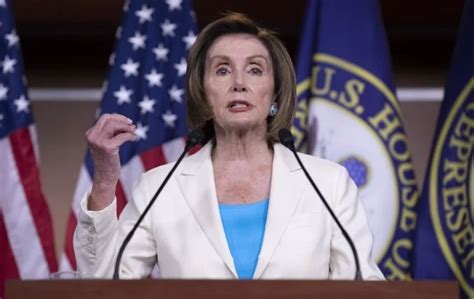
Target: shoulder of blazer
314,163
329,176
189,164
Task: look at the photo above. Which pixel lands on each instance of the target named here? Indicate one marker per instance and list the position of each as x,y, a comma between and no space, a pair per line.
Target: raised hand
105,138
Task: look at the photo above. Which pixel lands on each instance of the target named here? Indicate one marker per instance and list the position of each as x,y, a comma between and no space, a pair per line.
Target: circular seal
348,115
451,187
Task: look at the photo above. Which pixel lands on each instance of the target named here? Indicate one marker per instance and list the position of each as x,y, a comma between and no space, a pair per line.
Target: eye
256,71
222,71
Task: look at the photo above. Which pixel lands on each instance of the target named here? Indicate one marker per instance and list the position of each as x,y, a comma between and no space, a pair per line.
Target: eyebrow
225,57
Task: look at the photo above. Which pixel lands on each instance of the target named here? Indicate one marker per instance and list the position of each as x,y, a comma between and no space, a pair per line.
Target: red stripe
153,158
69,248
195,149
121,198
29,175
8,268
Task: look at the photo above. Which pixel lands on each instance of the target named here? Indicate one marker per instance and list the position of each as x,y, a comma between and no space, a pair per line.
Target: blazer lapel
285,194
197,184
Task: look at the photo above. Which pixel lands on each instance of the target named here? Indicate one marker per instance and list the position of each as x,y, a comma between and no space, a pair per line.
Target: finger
113,119
89,131
121,138
118,127
121,117
110,129
116,117
105,119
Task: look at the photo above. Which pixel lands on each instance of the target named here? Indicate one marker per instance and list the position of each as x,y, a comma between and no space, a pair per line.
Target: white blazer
183,232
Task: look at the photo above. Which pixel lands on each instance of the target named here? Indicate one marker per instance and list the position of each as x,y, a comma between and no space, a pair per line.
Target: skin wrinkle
239,71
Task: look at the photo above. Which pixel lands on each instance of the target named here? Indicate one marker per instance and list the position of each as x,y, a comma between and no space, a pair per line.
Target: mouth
238,106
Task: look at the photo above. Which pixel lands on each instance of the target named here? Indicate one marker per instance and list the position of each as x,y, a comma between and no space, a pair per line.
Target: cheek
267,93
212,99
266,85
214,103
210,95
216,94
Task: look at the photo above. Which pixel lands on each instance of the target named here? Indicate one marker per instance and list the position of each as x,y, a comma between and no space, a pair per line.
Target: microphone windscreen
286,138
196,136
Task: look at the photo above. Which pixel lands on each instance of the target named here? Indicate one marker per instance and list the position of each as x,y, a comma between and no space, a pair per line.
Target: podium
229,289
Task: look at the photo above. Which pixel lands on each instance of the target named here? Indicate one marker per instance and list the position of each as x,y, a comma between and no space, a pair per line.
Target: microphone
196,136
287,140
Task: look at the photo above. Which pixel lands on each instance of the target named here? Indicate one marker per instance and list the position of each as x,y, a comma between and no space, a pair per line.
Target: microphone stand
287,140
195,137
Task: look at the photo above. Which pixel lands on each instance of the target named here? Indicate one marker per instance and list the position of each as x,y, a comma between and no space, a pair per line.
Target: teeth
238,105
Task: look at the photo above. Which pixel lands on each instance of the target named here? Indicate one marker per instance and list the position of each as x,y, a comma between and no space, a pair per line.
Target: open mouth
238,105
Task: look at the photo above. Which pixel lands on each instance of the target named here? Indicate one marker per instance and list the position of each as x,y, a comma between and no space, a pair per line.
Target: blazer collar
285,193
197,184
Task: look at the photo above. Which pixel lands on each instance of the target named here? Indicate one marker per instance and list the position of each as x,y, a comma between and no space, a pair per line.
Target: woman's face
238,82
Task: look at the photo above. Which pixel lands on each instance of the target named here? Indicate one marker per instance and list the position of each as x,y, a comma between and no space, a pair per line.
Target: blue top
244,225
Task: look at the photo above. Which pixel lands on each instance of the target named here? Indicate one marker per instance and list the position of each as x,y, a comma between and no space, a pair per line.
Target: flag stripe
20,226
173,149
194,149
26,235
121,198
70,261
130,174
8,268
23,151
153,157
34,141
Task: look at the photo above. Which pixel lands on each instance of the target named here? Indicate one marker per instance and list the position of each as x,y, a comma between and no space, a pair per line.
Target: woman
239,208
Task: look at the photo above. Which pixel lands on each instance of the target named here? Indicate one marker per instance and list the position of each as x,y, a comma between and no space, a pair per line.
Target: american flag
26,235
146,84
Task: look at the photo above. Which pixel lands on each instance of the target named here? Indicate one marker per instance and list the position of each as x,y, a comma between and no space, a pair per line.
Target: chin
245,126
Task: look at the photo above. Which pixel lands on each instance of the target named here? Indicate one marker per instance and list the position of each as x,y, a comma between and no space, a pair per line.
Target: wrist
101,196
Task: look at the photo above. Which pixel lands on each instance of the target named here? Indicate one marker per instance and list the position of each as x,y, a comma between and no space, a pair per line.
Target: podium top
229,289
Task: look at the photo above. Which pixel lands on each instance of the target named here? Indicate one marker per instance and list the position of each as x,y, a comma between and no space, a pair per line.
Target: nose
239,82
239,88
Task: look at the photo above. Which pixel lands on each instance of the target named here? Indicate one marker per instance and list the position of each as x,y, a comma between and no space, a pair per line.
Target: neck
234,146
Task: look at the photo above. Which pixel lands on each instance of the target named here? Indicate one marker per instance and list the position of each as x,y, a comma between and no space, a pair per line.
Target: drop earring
273,110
